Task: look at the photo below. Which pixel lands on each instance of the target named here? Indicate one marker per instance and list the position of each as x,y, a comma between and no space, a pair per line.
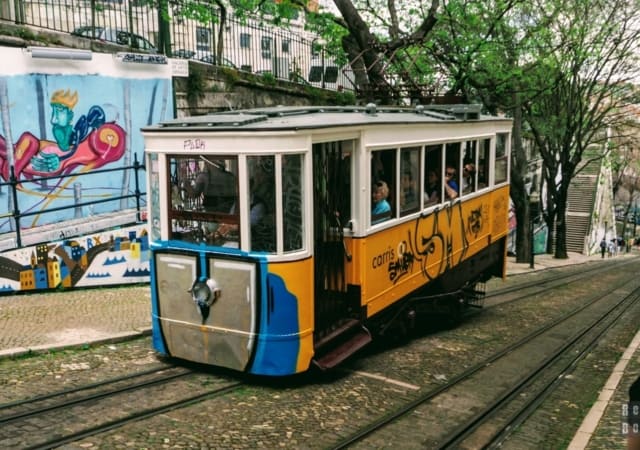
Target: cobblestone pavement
51,321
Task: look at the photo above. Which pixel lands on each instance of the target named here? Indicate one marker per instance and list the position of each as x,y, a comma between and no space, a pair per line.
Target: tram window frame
155,217
469,165
433,162
483,167
292,211
409,179
190,218
501,161
453,159
383,172
261,191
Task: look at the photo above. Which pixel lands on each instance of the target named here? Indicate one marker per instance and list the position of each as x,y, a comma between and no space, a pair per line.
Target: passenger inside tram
381,209
432,189
451,187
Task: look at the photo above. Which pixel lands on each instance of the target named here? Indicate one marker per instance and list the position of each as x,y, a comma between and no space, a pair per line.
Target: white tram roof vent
371,108
458,111
215,120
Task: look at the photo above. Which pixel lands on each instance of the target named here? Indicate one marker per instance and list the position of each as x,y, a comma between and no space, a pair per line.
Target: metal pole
531,263
635,219
322,56
534,199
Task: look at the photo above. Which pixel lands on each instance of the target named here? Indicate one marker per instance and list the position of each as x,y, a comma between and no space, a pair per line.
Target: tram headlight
204,292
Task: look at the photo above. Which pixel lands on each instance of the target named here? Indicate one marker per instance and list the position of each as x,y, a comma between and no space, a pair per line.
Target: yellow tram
289,236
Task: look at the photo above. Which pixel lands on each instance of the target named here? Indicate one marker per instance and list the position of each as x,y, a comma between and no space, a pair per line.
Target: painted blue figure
67,135
381,208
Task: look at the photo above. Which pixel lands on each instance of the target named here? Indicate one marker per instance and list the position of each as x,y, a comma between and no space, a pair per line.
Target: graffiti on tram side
436,242
107,258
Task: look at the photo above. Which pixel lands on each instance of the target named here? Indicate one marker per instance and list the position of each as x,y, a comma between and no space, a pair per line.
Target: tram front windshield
204,200
204,205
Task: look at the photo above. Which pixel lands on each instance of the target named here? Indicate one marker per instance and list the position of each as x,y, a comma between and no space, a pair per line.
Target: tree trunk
519,196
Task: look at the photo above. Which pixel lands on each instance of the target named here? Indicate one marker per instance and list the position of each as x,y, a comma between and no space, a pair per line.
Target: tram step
341,347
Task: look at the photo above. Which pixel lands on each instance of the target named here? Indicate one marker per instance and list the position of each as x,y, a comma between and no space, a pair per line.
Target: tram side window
343,170
483,163
409,180
469,164
292,195
383,179
262,195
203,197
501,164
433,175
452,171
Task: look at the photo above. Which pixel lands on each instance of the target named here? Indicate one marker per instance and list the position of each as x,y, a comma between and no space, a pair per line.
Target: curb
43,349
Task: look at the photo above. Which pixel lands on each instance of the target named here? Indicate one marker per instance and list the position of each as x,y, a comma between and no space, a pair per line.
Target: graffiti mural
66,120
109,258
61,121
90,143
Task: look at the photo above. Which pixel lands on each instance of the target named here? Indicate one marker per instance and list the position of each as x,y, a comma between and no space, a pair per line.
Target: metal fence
220,39
15,214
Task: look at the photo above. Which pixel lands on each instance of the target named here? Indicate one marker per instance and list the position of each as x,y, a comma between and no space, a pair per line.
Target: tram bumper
226,312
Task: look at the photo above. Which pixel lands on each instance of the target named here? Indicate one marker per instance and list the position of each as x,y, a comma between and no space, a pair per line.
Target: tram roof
307,117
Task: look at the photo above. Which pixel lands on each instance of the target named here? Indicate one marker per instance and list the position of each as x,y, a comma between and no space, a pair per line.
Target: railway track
55,419
523,374
547,283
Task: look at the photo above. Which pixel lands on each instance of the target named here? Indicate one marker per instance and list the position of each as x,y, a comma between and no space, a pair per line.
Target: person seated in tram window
381,208
432,191
451,188
215,187
408,197
468,172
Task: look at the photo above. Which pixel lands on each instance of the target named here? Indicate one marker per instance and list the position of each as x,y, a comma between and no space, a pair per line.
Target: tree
593,61
560,68
484,48
625,166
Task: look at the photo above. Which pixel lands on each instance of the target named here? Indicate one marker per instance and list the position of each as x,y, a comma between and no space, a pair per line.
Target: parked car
116,36
183,53
88,32
211,59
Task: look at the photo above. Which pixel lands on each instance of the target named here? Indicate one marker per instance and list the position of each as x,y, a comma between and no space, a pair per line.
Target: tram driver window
383,179
262,202
218,185
204,191
292,201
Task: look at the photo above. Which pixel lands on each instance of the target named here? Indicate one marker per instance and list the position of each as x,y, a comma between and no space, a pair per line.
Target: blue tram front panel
249,324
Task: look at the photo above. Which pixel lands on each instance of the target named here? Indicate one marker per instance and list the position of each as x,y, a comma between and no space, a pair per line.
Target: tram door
332,174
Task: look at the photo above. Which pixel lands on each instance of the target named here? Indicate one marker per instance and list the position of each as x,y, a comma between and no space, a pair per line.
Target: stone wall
210,89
